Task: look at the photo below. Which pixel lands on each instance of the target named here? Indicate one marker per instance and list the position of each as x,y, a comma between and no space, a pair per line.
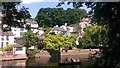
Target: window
7,38
7,43
21,29
2,37
14,29
2,45
19,49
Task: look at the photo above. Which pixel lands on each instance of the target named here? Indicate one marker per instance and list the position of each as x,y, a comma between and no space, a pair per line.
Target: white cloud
33,1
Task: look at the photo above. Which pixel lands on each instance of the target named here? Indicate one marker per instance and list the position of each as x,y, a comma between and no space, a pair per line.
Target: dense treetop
13,17
107,14
49,17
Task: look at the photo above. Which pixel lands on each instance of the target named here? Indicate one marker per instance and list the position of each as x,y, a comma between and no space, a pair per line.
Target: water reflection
37,62
43,62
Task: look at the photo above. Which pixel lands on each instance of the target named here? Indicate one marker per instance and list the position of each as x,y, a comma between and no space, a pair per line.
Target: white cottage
18,31
18,49
6,37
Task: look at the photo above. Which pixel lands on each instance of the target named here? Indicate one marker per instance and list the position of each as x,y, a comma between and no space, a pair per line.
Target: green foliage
8,48
49,17
53,42
31,53
106,13
30,39
94,36
28,27
12,14
1,49
86,42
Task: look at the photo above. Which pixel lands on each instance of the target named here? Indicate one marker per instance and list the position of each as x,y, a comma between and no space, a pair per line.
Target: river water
43,62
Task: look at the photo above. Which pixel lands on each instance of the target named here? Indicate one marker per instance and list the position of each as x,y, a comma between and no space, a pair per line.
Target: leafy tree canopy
49,17
13,16
30,39
106,13
53,42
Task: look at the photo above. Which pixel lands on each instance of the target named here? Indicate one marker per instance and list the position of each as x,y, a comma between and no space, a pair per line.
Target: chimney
56,26
65,24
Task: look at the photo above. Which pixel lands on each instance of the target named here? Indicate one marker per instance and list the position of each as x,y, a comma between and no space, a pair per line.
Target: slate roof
58,29
16,45
41,37
31,22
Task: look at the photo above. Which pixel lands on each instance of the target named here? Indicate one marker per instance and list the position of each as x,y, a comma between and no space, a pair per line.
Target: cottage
57,30
18,32
83,24
32,23
18,49
6,37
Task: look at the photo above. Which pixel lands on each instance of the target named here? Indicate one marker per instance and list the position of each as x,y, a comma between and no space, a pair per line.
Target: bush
8,48
1,49
31,53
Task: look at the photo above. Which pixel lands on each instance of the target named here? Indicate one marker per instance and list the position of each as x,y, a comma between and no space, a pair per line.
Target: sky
35,5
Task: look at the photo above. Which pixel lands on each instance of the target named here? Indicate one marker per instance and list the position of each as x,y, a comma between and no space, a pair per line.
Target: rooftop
58,29
31,21
8,33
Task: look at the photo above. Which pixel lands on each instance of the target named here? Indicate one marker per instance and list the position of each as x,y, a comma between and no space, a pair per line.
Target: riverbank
6,56
82,53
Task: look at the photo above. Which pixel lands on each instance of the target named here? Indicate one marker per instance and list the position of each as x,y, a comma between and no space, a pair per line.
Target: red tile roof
85,20
1,14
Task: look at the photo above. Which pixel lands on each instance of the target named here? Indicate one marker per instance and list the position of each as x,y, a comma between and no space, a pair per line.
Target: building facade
6,37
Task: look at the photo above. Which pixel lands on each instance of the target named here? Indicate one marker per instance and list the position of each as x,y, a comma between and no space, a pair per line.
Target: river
43,62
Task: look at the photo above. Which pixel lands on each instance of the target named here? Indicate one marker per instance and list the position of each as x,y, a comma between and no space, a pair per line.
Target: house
34,26
1,15
39,30
66,30
57,30
6,37
18,32
18,49
32,23
84,22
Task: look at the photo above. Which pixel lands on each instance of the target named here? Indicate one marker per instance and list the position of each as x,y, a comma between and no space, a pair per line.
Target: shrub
8,48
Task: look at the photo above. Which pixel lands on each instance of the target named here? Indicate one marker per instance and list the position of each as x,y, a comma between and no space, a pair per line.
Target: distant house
18,49
18,32
1,15
57,30
32,23
66,27
34,26
66,30
39,30
6,37
85,22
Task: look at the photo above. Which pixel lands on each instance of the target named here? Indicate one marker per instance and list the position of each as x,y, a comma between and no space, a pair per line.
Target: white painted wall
10,41
35,25
23,51
17,31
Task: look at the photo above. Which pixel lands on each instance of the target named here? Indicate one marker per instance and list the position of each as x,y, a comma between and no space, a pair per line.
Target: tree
107,13
53,42
49,17
24,13
12,16
94,36
30,39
